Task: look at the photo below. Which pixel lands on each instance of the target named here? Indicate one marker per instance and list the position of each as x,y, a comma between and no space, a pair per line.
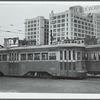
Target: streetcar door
63,63
71,62
13,66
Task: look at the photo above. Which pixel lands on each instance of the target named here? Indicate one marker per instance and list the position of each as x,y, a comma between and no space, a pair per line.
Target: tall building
73,24
37,29
95,12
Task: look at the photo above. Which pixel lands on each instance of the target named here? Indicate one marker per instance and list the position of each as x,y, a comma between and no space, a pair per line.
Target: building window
75,21
58,25
75,25
58,16
52,56
62,38
63,29
34,21
29,22
75,29
79,22
36,56
75,34
23,56
83,23
44,56
58,21
54,34
79,26
54,17
34,36
28,26
71,15
63,16
63,20
30,56
54,30
54,26
63,25
79,30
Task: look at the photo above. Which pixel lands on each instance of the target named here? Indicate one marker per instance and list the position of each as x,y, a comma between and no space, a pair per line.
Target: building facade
37,29
73,24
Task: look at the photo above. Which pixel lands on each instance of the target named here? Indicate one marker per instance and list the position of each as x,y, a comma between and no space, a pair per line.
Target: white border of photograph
7,95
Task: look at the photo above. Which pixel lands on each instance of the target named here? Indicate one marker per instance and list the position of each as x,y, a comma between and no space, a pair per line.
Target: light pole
52,22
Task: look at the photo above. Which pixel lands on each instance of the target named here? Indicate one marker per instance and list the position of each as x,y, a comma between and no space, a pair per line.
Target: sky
13,15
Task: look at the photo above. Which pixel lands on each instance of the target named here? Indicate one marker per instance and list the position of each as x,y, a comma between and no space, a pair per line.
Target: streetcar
93,59
56,60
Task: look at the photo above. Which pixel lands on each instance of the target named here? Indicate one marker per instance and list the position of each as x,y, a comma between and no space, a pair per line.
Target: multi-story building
37,29
95,12
73,24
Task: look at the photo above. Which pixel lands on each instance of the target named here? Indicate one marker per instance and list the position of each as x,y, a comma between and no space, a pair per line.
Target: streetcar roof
44,46
93,46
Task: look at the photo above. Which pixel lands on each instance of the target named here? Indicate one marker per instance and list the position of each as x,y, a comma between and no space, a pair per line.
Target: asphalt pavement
45,85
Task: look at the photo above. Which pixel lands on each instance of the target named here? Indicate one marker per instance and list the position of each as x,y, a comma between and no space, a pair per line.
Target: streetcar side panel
93,60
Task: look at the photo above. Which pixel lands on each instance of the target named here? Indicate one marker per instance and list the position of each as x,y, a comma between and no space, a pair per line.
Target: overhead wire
9,31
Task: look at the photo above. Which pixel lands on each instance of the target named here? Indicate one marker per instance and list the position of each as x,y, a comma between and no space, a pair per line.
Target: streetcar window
30,56
44,56
78,56
4,57
52,56
93,56
69,55
83,56
61,55
73,55
86,56
69,65
10,57
17,56
98,56
0,58
23,56
36,56
65,55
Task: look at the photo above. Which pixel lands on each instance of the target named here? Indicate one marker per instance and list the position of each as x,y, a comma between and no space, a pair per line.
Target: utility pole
51,31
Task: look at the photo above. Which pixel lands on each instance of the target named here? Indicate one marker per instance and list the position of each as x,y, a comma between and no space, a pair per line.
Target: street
37,85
